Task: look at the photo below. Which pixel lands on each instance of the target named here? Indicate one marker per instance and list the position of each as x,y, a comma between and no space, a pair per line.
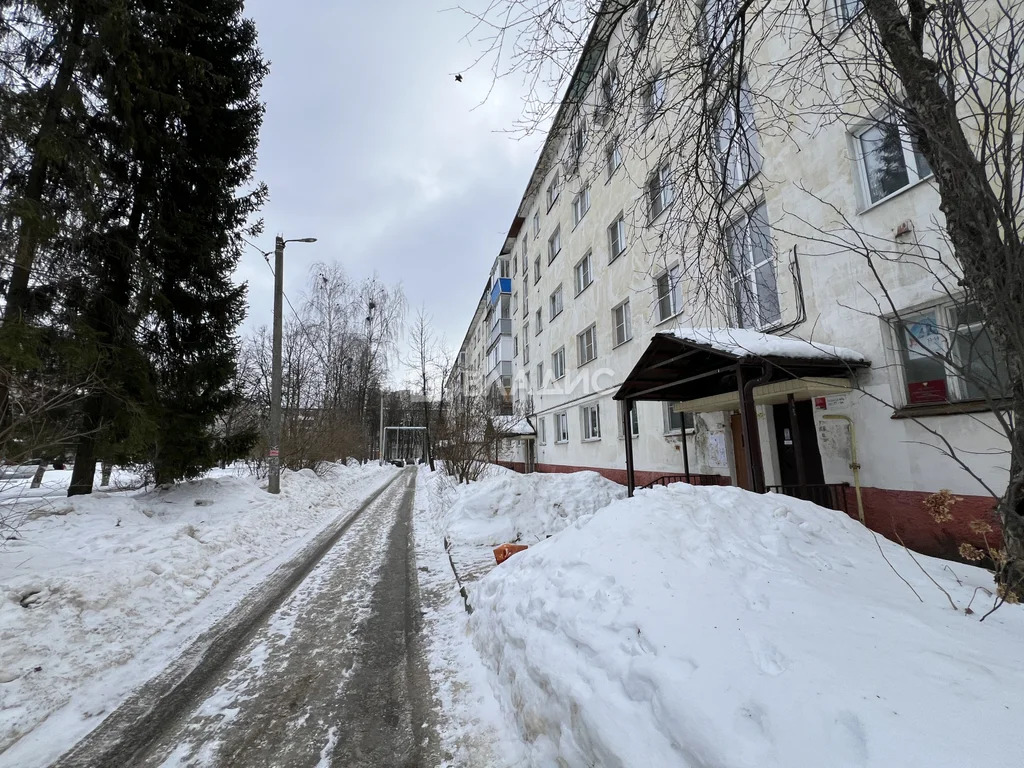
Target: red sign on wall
933,391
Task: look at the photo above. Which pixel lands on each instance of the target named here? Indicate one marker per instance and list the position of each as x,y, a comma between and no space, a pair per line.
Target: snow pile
510,507
714,627
742,342
97,595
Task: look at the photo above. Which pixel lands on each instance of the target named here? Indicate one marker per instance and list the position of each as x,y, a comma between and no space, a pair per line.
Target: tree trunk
84,471
984,236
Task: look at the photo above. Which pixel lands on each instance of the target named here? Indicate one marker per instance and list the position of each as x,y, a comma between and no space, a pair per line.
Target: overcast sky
370,145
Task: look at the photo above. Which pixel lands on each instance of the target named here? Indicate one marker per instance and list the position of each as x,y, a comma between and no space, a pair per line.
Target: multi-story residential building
799,379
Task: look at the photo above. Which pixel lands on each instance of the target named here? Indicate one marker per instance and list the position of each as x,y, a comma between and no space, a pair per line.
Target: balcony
501,285
501,327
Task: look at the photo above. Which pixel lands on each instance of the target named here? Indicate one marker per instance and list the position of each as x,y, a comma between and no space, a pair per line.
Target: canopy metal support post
627,431
686,450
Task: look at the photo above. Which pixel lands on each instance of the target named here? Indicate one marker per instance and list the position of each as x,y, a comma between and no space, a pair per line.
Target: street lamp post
274,453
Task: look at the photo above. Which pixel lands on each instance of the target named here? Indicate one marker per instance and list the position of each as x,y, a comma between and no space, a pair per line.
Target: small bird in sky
458,78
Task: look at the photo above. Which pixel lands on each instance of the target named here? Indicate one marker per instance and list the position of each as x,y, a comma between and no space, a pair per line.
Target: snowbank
715,627
507,506
98,594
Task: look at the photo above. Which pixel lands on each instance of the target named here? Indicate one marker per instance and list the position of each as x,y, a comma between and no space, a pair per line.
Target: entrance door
529,448
788,436
739,452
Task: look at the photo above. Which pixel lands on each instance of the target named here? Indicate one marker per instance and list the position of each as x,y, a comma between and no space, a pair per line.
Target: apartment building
794,373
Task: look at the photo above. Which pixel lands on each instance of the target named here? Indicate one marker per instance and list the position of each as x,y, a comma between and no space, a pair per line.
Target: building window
526,258
591,418
751,260
676,422
540,374
503,268
616,238
580,205
622,323
583,273
667,285
654,96
554,244
659,191
587,345
536,270
553,190
948,356
634,419
847,10
888,160
526,342
738,150
542,437
555,303
562,427
646,13
558,363
526,299
536,231
578,142
613,156
515,303
537,316
609,90
720,24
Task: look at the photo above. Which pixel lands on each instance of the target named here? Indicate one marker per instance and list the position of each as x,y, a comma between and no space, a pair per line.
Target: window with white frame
948,356
590,415
580,205
659,191
554,244
526,300
542,436
515,345
536,270
558,363
847,10
515,265
553,190
526,258
634,418
669,293
583,273
646,13
540,374
555,303
622,323
752,267
738,149
616,238
676,421
515,303
536,229
538,317
587,345
503,268
562,427
526,342
888,160
578,140
613,156
609,89
654,95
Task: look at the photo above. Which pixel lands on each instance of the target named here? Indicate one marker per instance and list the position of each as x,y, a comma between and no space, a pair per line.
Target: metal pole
274,453
627,432
382,427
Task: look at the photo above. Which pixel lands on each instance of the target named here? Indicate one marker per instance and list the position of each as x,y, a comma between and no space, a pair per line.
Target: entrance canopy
696,364
724,369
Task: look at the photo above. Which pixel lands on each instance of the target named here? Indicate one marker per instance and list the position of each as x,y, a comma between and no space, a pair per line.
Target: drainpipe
854,464
748,415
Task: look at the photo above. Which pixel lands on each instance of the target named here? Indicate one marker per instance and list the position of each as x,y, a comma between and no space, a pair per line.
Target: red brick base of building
900,516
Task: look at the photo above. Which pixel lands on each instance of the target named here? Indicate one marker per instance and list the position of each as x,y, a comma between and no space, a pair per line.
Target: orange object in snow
505,551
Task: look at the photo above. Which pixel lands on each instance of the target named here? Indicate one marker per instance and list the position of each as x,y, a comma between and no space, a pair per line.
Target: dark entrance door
797,443
739,452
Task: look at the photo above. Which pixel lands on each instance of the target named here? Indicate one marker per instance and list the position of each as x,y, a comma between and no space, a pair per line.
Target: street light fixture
274,454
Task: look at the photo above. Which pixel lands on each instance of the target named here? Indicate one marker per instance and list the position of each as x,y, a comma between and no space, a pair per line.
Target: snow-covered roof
743,342
512,425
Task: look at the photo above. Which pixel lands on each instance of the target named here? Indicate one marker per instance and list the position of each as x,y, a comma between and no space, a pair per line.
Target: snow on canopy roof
743,342
512,425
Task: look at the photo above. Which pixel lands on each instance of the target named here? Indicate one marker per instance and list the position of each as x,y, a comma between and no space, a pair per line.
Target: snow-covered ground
98,593
697,626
